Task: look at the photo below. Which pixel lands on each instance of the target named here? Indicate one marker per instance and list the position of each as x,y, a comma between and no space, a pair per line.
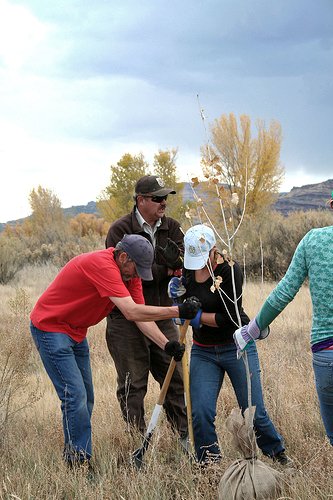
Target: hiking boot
283,459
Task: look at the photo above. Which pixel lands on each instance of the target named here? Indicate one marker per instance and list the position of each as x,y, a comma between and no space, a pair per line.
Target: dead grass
31,466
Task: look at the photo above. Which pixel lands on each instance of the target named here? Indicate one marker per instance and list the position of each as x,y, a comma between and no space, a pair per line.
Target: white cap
198,242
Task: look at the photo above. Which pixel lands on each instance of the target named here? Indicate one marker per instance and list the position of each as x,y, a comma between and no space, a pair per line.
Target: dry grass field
30,419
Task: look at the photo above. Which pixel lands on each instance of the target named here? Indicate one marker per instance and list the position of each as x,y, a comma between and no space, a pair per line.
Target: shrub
11,258
279,237
17,390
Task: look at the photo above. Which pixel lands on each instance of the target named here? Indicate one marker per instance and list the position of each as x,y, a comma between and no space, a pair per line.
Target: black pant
134,356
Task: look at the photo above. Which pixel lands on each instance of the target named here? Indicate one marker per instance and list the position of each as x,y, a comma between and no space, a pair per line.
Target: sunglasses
157,199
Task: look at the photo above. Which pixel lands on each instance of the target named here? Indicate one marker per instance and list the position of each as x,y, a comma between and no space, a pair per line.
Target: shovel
187,397
137,455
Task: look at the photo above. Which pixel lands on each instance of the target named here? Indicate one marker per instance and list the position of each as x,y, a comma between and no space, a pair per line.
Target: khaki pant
134,356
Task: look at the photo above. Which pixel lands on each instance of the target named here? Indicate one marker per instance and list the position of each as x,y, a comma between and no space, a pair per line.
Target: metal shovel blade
137,455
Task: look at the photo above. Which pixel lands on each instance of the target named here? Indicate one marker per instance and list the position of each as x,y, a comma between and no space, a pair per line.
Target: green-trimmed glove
246,334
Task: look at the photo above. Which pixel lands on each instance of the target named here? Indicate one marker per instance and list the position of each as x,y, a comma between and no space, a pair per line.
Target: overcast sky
83,82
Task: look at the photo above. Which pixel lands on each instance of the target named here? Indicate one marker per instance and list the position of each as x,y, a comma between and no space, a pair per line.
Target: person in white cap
208,276
84,292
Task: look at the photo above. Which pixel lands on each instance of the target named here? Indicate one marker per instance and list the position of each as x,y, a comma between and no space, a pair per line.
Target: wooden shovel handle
172,365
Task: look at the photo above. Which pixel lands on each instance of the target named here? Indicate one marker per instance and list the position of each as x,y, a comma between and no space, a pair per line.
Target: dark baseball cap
141,251
151,184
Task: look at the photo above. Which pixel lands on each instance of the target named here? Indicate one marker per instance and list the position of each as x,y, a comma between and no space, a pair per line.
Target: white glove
246,334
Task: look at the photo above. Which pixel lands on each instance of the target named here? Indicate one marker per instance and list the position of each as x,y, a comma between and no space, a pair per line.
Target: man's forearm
141,312
151,330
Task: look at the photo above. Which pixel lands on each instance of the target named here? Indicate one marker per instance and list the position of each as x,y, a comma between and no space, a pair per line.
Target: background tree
88,224
244,164
165,166
117,198
47,222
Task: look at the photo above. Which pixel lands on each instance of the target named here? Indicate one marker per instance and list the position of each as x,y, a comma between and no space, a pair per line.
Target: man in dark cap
133,354
84,292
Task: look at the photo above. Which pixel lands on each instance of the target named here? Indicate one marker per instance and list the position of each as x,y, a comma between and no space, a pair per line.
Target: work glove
189,308
175,349
246,334
196,321
169,255
176,288
176,291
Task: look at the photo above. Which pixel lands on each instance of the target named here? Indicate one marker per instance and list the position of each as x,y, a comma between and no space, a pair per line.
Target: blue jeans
207,369
67,363
322,362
